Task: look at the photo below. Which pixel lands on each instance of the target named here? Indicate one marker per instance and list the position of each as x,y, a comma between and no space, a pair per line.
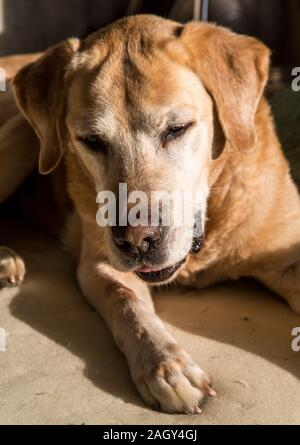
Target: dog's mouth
158,275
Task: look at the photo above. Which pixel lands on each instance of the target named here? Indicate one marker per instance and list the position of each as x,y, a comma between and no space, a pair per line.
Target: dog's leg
12,268
18,158
285,281
164,374
280,272
18,154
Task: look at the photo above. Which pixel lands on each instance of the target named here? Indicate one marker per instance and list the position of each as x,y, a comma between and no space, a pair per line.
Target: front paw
12,268
169,380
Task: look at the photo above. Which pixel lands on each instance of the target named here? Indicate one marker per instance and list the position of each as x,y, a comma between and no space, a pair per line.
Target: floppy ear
40,89
234,70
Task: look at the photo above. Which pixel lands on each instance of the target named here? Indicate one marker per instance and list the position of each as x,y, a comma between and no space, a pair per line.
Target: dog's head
151,104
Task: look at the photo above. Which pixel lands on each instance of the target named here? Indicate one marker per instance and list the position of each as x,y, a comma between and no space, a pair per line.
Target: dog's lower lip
152,275
147,269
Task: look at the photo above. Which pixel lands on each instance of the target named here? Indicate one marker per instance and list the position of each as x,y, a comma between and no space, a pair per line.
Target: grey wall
34,25
276,22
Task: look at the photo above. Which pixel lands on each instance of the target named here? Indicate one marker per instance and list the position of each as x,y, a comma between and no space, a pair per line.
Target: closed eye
174,132
94,143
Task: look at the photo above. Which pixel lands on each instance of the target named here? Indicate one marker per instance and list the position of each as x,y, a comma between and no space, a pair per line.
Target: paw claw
211,392
12,280
198,410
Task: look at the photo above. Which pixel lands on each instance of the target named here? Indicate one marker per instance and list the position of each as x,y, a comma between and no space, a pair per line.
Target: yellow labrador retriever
156,105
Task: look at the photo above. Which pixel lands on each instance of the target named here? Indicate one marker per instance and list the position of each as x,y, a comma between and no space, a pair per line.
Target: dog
159,105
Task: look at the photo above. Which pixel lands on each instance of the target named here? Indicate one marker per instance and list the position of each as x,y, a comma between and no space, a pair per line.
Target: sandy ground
62,367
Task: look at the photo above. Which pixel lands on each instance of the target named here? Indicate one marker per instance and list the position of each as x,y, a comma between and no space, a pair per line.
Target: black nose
137,240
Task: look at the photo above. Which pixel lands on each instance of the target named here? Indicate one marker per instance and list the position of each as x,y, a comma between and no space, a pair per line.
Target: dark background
34,25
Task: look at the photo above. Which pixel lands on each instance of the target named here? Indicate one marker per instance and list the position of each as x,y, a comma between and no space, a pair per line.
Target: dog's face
147,124
147,103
